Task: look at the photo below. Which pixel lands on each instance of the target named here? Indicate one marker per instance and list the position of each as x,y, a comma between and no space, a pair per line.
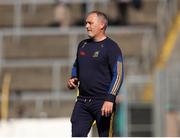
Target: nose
87,25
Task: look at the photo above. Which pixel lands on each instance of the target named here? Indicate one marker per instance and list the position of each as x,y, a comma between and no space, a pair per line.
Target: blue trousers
86,110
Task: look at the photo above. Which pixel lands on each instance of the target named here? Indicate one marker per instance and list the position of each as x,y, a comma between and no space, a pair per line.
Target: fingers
107,108
106,111
72,83
102,112
69,85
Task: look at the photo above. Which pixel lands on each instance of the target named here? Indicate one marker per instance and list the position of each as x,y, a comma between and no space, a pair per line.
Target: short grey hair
101,15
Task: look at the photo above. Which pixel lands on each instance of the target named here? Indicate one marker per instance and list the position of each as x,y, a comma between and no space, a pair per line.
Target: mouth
88,30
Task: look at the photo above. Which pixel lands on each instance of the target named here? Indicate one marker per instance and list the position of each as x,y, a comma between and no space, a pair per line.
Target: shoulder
112,45
83,42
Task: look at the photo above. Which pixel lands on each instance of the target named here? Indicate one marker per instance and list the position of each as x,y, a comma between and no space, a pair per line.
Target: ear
102,25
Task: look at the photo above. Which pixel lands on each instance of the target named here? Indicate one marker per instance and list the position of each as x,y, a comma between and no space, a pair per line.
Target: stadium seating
6,15
41,15
55,47
36,47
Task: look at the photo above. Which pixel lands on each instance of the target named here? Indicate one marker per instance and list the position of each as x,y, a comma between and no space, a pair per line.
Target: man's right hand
72,83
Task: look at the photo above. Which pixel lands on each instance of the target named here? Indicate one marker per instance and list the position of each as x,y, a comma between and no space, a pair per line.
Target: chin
90,36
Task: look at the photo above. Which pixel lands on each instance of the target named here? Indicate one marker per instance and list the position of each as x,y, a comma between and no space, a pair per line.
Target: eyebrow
86,21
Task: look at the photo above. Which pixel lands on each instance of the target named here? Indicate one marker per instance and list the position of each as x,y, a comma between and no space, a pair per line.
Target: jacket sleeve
74,71
115,60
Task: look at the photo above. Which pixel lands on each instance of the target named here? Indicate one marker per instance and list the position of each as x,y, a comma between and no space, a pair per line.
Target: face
94,25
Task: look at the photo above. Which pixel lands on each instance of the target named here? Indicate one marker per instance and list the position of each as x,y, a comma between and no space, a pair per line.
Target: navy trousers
86,110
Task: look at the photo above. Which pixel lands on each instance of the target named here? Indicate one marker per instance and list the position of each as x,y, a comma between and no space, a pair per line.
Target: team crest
96,54
102,45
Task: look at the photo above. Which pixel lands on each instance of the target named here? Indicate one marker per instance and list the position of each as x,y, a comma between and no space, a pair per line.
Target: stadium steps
35,78
50,109
131,48
41,15
146,15
57,46
36,47
6,15
62,112
54,47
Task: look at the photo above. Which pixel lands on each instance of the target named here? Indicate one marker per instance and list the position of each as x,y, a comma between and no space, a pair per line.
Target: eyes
88,23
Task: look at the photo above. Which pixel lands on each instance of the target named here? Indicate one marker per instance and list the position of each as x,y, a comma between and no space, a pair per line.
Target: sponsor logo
82,53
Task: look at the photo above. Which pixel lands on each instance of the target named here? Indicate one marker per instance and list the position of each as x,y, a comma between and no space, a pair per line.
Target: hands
72,83
107,108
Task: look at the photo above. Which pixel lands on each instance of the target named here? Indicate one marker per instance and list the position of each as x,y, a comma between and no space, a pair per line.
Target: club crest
96,54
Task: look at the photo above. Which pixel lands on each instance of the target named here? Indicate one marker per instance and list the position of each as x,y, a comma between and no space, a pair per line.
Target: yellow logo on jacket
96,54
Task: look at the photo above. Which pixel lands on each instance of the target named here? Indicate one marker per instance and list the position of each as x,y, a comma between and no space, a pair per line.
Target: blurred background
38,41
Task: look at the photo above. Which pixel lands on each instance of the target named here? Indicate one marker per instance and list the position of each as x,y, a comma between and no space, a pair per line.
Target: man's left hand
107,108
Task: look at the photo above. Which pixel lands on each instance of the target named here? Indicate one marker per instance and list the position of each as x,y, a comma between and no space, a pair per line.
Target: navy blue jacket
99,68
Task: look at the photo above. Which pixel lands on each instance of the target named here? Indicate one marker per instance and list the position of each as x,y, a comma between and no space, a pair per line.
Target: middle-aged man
98,73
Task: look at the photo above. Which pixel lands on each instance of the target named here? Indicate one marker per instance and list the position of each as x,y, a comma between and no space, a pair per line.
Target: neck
99,37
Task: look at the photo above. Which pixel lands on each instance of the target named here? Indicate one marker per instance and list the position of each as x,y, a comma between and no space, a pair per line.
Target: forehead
91,17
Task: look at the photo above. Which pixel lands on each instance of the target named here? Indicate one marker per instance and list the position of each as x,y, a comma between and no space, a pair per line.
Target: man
98,69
